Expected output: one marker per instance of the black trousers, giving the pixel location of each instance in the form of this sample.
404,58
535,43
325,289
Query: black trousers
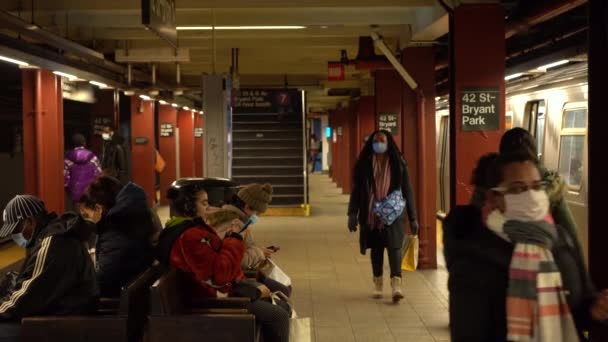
273,319
378,243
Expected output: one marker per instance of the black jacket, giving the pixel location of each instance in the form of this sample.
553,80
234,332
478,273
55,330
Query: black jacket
125,244
359,201
114,158
57,276
478,263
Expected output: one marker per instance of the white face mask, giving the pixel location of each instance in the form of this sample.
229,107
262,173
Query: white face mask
528,206
106,136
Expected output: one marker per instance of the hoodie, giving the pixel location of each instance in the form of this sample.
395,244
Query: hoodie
114,160
57,276
80,168
125,243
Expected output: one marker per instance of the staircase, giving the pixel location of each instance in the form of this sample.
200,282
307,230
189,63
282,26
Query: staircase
269,148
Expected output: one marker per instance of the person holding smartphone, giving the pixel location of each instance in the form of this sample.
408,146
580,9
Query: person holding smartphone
212,263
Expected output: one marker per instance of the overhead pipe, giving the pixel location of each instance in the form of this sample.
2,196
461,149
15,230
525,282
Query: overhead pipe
422,146
516,26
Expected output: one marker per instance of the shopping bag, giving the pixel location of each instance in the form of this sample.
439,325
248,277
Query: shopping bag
160,163
410,257
274,272
299,327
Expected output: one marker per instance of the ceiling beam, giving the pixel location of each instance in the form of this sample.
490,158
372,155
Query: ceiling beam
198,4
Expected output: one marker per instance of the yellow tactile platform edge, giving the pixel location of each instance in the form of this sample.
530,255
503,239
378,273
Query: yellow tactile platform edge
303,210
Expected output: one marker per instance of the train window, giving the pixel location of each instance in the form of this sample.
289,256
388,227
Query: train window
534,122
572,146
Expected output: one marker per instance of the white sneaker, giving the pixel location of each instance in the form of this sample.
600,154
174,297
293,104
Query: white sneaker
378,287
396,287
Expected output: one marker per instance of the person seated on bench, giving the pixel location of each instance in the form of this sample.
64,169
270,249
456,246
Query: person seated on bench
126,228
57,276
225,220
212,266
251,200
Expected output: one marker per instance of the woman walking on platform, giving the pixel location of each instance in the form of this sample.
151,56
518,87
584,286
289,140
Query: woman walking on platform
380,188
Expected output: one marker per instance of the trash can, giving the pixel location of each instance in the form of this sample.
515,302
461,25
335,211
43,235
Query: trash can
219,190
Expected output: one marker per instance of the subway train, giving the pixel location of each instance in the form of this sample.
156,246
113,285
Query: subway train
553,107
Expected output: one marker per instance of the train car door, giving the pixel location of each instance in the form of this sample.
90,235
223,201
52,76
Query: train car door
534,122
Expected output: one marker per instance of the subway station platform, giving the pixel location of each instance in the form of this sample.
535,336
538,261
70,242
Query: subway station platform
332,280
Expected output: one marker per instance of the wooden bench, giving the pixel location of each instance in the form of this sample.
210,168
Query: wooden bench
117,319
171,319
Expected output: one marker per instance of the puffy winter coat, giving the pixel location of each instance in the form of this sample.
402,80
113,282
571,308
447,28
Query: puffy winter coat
125,244
80,168
208,263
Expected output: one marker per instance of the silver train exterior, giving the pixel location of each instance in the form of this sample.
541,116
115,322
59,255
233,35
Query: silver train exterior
553,107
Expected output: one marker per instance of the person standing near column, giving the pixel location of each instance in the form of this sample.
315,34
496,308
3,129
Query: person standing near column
114,159
380,177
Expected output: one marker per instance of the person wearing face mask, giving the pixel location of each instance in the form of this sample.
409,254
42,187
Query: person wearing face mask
520,272
114,160
210,264
127,229
251,200
381,172
45,285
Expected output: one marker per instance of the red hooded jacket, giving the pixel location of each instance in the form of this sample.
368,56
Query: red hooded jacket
209,262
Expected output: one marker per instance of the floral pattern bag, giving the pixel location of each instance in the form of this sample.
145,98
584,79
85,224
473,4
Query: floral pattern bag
391,208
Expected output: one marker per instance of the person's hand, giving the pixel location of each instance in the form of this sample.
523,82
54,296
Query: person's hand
267,252
415,228
599,309
265,291
352,223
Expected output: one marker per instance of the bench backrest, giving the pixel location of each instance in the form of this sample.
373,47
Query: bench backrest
134,301
166,296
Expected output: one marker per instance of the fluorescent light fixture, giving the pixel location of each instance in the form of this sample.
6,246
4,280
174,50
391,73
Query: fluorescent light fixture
186,108
99,84
510,77
208,28
554,64
129,92
174,105
14,61
163,102
144,97
63,74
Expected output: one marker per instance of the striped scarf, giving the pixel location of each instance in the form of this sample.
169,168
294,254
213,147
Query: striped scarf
382,182
537,310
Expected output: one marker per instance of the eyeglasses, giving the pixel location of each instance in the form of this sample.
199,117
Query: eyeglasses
521,187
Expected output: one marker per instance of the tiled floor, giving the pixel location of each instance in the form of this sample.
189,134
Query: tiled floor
332,281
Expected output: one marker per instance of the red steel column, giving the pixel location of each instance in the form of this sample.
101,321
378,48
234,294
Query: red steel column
198,146
419,147
43,137
366,120
349,134
143,152
185,121
477,59
167,149
389,92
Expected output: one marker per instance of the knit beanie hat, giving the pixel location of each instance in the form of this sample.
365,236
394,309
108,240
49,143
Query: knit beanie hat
256,196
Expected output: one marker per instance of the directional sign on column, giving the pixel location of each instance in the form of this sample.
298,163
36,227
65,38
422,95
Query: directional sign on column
480,109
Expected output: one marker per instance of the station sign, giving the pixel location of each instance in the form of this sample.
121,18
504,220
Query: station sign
480,109
251,101
166,130
159,17
389,122
335,71
100,122
198,132
141,140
